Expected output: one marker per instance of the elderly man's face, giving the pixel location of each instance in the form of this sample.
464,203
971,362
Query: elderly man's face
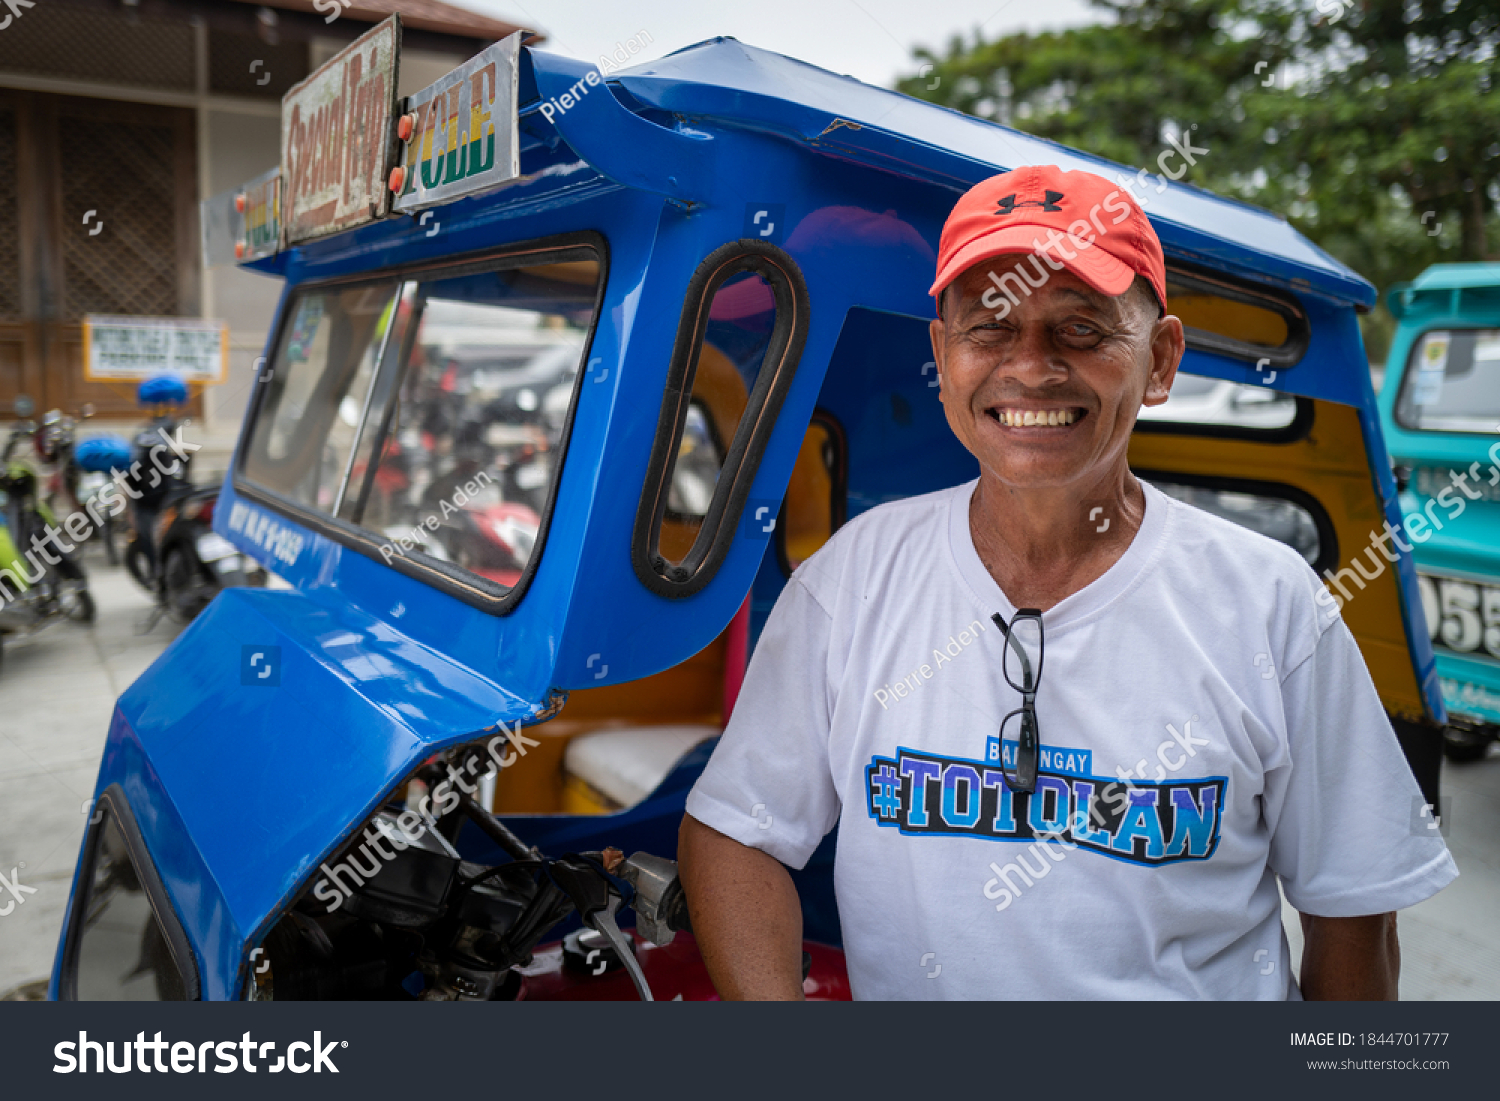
1047,395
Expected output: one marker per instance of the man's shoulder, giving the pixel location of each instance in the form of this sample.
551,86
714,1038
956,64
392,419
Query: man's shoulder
1212,539
1222,564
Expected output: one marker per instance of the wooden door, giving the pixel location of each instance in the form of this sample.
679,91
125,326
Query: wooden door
102,202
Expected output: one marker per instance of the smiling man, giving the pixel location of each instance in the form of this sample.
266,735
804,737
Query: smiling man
1070,731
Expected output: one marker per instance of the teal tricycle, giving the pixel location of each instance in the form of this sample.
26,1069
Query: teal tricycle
1440,406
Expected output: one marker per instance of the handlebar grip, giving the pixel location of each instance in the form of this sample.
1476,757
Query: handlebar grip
660,904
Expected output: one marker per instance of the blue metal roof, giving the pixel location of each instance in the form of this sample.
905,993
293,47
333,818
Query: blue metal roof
732,83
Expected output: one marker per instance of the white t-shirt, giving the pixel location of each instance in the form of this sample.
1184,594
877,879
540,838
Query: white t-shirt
1200,666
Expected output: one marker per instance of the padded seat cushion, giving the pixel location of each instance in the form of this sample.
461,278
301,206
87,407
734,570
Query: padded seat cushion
628,763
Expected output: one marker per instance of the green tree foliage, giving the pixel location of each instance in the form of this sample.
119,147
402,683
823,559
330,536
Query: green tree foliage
1396,98
1373,125
1114,88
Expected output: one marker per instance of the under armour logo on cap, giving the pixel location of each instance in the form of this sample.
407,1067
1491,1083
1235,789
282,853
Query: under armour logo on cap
1008,204
1107,244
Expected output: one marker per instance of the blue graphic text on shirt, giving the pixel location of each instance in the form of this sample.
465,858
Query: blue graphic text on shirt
1141,822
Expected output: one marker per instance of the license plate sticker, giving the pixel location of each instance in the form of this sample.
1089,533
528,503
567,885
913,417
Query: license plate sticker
1428,387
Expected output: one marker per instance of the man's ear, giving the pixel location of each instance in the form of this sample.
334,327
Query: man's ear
1167,346
937,333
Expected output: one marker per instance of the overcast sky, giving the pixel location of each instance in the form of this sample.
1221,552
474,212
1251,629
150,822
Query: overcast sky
868,39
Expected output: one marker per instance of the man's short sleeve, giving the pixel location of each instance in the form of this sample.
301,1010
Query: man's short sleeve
1349,833
768,784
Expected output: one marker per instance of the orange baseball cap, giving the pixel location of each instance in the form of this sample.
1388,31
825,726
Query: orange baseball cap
1042,209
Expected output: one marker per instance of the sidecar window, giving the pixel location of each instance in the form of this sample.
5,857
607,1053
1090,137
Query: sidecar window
700,458
817,496
315,393
1286,516
1199,402
1452,382
427,413
741,316
472,436
1235,319
122,952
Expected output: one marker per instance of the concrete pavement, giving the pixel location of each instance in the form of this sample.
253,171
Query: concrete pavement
1450,944
57,692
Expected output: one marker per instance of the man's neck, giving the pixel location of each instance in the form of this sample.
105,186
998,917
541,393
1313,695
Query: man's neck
1043,545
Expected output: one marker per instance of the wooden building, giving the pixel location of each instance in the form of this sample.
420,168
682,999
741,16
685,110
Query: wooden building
116,118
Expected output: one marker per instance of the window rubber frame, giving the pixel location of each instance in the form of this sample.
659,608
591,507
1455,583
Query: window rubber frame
115,804
752,435
1283,357
476,591
1328,539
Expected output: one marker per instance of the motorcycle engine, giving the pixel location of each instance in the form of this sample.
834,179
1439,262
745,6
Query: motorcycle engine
397,915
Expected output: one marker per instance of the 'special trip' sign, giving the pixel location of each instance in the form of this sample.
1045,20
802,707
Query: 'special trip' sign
335,138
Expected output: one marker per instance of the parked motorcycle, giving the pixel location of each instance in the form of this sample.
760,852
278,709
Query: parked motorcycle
95,462
494,540
172,550
41,581
72,477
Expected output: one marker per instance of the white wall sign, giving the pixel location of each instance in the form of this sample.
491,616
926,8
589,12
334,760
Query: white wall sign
132,349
